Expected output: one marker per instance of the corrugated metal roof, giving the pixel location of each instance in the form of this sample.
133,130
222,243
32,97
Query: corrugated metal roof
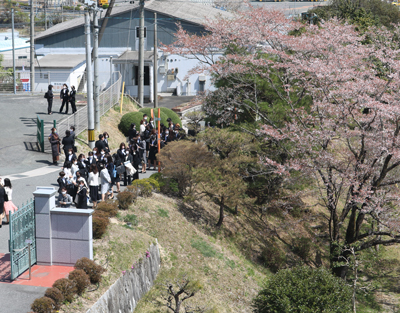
61,60
187,11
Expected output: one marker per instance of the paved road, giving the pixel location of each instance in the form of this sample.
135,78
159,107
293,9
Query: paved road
17,298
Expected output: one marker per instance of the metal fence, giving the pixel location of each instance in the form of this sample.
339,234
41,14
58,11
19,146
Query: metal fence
107,99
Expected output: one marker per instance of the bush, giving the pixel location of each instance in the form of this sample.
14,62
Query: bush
100,222
179,166
144,187
168,186
302,247
43,305
125,199
273,257
81,280
304,289
67,288
56,295
164,117
92,269
109,207
127,119
168,112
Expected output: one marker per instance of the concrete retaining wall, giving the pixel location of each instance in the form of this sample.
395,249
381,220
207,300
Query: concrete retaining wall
124,294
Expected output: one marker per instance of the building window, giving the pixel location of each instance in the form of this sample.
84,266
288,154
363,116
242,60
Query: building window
22,57
146,79
138,34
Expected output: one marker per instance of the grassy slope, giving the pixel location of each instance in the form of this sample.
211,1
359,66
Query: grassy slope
230,281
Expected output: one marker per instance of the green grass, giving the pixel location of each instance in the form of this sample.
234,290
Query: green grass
131,218
163,213
205,249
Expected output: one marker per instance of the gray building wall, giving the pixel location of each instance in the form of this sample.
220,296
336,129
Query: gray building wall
121,32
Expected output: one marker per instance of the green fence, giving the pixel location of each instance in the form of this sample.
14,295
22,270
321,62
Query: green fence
22,236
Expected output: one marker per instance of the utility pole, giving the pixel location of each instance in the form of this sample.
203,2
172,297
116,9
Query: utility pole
32,49
89,84
96,69
141,53
111,71
13,49
45,15
155,66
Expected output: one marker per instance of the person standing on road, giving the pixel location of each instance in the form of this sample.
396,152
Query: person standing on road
72,94
93,182
49,96
68,142
9,206
64,96
55,145
2,200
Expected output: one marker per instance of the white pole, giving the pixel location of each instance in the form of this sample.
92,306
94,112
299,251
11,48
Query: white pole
96,70
89,83
111,71
13,50
141,53
32,48
155,67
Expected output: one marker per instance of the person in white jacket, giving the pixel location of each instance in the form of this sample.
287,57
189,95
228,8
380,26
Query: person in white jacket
105,182
93,181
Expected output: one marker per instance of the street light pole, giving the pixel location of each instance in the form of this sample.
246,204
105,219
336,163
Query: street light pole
32,49
155,66
13,49
141,53
96,69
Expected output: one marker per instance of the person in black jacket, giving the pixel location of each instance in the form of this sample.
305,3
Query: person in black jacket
82,196
49,96
2,200
64,96
72,94
62,182
68,142
100,144
132,133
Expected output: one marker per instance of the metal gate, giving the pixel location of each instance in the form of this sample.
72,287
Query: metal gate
22,236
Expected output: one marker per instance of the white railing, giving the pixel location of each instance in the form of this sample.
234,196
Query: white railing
107,99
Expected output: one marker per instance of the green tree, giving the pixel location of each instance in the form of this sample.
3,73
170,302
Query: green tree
303,290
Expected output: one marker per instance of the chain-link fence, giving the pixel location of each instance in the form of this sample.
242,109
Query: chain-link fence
107,99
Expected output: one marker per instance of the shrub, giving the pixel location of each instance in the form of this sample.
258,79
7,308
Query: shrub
109,207
168,112
125,199
43,305
302,247
303,289
67,288
81,280
100,222
164,117
179,166
92,269
56,295
273,257
127,119
168,186
144,187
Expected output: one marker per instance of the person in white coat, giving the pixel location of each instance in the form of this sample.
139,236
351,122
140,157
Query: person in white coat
105,182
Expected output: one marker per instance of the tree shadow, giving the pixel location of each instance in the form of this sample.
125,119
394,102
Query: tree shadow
5,268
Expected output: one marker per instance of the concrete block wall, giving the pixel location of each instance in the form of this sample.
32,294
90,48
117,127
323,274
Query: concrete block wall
125,293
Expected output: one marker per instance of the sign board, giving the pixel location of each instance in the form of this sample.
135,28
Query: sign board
57,86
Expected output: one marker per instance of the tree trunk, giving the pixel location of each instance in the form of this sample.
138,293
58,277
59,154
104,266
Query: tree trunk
337,255
221,211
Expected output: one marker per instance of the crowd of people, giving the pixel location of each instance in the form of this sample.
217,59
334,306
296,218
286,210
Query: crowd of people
93,177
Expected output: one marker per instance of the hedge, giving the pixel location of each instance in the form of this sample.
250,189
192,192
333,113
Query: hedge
127,119
168,112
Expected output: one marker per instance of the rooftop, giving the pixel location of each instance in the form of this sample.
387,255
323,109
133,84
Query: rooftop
61,60
186,11
134,55
19,43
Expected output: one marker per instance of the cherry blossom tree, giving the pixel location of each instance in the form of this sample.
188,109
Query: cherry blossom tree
347,138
